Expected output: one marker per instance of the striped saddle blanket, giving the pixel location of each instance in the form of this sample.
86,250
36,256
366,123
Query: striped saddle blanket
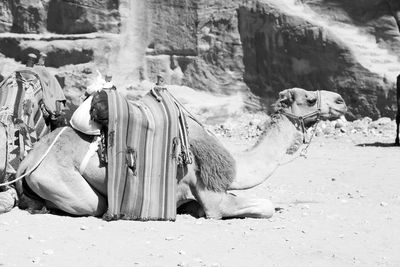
20,114
143,155
24,96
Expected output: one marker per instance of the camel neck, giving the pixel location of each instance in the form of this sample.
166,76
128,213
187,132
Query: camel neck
277,137
256,164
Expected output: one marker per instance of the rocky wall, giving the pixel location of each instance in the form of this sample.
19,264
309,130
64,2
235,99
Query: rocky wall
253,47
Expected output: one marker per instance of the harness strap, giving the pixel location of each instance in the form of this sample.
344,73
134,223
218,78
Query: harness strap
300,119
183,135
94,145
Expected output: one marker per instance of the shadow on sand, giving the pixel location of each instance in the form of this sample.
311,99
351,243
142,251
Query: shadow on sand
378,144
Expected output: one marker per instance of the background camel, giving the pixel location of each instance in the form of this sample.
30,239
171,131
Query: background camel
59,183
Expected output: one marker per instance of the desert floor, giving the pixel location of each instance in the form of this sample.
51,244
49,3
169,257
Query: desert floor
341,207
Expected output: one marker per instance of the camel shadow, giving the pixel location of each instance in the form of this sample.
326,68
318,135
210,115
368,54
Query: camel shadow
377,144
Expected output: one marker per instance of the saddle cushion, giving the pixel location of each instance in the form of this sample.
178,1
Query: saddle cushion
81,121
142,161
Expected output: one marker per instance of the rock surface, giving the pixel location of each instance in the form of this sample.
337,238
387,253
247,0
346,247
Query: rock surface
254,47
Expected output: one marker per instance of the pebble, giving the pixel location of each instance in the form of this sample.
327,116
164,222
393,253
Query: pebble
48,252
384,204
169,238
36,260
83,227
198,260
181,252
30,237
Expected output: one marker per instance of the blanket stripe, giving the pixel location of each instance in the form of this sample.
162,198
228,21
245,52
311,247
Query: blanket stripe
141,166
19,96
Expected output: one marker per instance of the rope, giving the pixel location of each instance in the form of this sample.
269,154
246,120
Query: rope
303,152
40,160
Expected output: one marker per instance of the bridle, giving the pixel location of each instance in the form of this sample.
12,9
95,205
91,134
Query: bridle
299,120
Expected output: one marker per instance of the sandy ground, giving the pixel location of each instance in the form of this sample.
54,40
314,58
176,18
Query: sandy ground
341,208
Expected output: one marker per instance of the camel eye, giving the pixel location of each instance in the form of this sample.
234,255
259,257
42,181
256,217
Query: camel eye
312,101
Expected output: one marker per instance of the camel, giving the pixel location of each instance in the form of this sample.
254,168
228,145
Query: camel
30,106
202,187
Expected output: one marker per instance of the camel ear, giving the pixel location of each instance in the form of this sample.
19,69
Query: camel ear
286,97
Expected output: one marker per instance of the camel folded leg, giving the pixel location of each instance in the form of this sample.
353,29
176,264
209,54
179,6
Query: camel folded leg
67,190
218,205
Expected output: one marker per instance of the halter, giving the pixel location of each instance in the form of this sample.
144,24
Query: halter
299,120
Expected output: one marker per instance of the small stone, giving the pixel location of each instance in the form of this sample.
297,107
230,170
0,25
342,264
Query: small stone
36,260
181,252
30,237
48,252
182,264
215,264
383,204
339,124
169,238
83,227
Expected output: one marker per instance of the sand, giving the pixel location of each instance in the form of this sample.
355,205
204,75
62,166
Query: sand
341,207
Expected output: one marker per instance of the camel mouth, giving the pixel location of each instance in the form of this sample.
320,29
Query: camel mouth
336,113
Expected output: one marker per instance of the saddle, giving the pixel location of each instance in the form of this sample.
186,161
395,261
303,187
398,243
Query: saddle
146,142
29,98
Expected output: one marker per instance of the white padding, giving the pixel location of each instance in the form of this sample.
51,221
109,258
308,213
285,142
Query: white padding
81,119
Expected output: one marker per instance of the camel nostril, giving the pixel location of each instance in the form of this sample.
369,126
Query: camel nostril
339,101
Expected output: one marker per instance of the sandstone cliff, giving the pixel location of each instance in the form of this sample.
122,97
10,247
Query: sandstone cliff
255,48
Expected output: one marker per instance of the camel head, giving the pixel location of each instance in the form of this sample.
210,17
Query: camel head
310,105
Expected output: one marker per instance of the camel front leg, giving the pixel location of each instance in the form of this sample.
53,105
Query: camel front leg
66,190
219,205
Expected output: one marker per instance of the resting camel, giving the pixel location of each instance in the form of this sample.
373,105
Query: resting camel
30,106
214,171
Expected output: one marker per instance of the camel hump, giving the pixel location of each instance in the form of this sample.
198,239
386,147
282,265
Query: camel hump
217,167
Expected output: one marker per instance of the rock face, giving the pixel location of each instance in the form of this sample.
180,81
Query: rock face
254,47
